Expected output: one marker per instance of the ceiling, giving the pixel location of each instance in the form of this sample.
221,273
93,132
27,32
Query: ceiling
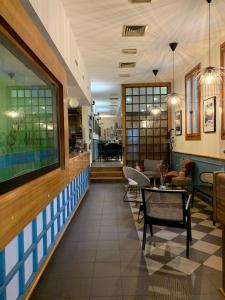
98,24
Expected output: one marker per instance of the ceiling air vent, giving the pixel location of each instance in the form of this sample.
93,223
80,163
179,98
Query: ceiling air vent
134,30
140,1
113,98
129,51
127,65
124,75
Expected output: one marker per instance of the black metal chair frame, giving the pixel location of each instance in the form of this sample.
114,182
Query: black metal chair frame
185,223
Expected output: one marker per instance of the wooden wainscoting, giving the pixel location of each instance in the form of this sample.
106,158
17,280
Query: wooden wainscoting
77,164
19,206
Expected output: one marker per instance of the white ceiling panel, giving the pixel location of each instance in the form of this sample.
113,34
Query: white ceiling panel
98,25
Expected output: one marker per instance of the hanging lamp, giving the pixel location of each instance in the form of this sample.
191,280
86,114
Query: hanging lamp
155,110
173,98
210,76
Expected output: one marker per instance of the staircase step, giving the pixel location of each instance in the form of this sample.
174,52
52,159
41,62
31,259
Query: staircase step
106,174
106,178
100,169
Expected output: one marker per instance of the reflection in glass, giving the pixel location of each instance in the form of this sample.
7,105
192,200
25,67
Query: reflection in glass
28,117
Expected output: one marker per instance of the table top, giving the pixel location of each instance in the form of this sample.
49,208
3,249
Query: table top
181,180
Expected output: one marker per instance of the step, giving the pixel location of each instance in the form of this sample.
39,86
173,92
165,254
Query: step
100,169
106,178
107,174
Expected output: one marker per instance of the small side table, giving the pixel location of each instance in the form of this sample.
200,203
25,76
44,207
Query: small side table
184,182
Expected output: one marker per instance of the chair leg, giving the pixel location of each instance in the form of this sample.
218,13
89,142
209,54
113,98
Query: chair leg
190,229
125,196
193,197
187,242
144,236
151,229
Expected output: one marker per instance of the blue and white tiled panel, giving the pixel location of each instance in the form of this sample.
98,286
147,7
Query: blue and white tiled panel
23,256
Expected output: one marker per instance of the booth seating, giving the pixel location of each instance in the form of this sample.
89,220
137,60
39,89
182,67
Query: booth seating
186,167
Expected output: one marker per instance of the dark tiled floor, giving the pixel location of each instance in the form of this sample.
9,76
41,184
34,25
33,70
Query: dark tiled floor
100,258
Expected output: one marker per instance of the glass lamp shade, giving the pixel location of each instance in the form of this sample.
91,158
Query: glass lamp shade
173,99
155,110
210,76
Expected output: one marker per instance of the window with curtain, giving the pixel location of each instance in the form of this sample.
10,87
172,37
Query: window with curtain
222,52
192,103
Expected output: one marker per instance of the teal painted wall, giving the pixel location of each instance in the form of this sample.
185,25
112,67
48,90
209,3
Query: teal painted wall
201,164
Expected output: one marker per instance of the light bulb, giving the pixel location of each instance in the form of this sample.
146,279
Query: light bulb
156,110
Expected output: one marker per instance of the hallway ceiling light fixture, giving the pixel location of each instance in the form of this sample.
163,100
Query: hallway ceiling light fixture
210,75
156,110
134,30
173,98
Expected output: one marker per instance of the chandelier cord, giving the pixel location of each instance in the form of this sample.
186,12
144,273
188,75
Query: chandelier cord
209,34
173,73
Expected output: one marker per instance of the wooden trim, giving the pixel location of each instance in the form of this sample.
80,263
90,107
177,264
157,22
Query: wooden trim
43,267
200,155
168,84
124,140
193,136
21,205
222,101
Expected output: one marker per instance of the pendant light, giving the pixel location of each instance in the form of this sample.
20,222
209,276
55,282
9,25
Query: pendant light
173,98
155,110
210,76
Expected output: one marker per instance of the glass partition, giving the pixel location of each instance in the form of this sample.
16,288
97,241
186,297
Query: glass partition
146,134
28,118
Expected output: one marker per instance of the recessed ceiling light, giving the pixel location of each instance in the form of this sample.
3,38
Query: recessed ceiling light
134,30
129,51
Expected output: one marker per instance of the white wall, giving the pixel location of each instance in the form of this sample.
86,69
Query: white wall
52,15
210,143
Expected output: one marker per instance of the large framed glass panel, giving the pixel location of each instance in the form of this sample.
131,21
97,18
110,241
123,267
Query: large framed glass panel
147,133
29,139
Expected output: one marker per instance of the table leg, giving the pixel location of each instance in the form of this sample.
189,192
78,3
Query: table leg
222,290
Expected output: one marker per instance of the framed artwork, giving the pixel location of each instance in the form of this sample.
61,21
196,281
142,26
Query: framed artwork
209,115
178,122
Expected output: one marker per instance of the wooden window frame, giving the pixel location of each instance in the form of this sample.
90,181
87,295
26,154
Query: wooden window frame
18,43
193,136
222,103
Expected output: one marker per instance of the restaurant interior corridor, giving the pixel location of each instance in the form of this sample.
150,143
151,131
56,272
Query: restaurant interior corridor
100,257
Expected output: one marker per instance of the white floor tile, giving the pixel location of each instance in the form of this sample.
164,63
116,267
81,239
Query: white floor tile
208,223
196,234
199,216
153,266
205,247
184,265
214,262
217,232
165,234
173,248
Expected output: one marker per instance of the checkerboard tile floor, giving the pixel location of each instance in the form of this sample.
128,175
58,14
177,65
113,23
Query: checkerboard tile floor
166,249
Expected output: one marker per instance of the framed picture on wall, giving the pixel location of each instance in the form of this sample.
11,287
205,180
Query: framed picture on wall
178,122
209,115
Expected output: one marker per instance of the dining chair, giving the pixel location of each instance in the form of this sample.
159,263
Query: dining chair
166,208
136,181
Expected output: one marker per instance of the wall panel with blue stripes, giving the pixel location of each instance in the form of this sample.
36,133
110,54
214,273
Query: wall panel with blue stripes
24,255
